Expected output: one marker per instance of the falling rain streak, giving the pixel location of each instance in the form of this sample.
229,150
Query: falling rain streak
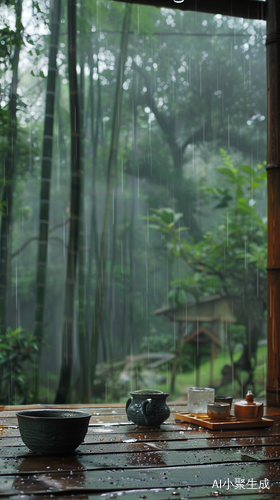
144,227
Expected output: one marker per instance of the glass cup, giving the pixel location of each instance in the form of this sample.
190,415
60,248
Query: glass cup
198,399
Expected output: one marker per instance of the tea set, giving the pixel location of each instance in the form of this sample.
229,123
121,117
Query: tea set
149,408
62,431
220,406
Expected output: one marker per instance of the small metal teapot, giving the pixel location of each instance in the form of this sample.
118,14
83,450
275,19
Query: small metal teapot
147,408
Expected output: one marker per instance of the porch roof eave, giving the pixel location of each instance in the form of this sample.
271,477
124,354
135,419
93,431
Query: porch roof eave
248,9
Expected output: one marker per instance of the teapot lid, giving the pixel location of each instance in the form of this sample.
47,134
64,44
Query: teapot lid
249,401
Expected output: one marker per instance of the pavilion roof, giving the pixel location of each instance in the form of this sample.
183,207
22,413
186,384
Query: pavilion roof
208,309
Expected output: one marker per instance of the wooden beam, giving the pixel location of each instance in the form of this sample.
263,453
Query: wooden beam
273,180
249,9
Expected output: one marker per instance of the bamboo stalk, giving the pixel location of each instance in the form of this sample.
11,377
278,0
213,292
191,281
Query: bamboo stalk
82,336
93,230
73,246
46,171
100,283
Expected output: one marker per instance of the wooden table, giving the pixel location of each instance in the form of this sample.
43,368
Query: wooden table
117,459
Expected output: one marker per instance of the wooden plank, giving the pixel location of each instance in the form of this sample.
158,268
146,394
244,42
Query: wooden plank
128,446
122,419
11,437
154,477
49,405
230,423
196,492
34,464
106,413
91,408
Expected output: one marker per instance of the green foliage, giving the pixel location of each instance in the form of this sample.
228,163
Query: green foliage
164,220
237,333
6,43
164,342
230,260
17,349
157,343
229,256
41,74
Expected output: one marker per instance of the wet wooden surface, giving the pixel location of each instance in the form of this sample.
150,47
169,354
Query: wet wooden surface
177,461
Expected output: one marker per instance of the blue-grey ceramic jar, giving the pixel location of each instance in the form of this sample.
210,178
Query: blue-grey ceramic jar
147,408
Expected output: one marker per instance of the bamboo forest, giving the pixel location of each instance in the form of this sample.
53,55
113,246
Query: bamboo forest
133,204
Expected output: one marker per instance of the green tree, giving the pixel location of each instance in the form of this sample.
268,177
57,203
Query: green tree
230,260
195,89
17,353
10,168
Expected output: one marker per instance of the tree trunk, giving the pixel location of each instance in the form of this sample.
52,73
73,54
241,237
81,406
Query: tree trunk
9,174
73,245
46,170
93,234
99,292
184,188
178,349
112,274
82,337
131,226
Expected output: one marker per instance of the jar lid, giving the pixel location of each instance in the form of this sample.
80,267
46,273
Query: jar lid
249,401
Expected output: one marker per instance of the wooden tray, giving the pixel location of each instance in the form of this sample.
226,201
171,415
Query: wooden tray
229,423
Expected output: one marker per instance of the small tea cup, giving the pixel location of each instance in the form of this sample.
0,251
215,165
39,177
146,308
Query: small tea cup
218,411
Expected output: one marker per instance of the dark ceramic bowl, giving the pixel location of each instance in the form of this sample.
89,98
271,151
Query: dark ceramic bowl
53,432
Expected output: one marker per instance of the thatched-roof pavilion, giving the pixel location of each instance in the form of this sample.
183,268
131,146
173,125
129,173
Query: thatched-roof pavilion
199,323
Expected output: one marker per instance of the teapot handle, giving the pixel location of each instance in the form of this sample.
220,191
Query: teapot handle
144,408
128,403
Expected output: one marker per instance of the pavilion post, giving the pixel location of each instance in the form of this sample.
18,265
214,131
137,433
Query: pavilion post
273,179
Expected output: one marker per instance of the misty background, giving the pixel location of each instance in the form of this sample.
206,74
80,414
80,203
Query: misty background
172,143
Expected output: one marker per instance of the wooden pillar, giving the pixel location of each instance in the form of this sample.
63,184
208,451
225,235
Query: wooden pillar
197,360
273,179
181,329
